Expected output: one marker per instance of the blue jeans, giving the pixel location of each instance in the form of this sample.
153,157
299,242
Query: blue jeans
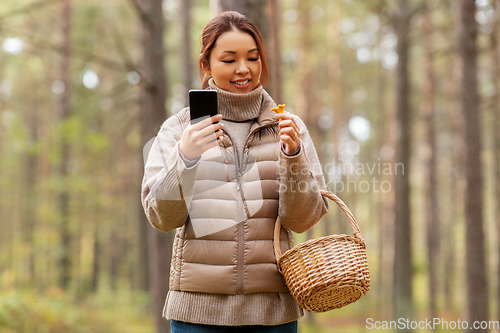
183,327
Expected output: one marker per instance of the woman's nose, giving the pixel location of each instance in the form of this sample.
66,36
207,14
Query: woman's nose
242,68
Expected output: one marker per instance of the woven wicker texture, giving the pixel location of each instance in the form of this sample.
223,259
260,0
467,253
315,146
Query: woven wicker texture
328,272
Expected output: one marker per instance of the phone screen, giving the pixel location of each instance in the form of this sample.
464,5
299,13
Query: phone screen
202,104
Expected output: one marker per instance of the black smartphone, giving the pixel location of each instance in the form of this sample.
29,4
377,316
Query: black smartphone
202,104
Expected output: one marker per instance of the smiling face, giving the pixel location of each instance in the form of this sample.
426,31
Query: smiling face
235,63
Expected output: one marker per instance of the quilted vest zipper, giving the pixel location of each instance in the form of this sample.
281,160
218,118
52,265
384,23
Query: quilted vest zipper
241,229
238,172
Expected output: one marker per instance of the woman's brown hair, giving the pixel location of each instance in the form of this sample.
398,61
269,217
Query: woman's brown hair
224,22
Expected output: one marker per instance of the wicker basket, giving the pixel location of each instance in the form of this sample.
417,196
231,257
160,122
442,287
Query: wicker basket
328,272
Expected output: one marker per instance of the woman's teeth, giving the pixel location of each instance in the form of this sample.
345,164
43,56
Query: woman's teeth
241,83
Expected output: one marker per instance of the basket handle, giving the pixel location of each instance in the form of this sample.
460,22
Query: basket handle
338,201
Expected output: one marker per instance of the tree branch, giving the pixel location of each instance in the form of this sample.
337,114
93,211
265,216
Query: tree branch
142,11
137,5
122,49
82,54
28,8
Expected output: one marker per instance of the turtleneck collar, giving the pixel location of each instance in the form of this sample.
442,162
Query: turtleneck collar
238,107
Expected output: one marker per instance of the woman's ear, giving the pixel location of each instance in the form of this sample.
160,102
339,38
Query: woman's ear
206,67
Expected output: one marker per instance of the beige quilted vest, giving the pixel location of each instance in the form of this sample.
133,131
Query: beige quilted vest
212,252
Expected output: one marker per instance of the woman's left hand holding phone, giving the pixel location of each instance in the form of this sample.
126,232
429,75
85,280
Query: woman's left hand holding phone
200,137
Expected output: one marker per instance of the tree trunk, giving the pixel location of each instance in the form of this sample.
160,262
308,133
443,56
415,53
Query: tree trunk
403,270
273,51
432,201
495,110
63,197
6,235
144,272
30,180
95,261
187,74
253,9
456,181
384,130
153,115
477,296
449,248
113,254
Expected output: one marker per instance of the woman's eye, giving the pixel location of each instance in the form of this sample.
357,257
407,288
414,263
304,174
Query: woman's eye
253,59
227,61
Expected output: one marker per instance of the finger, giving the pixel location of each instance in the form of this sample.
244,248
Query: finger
211,129
212,143
219,134
290,124
206,122
286,123
216,118
290,132
289,142
297,128
284,117
211,136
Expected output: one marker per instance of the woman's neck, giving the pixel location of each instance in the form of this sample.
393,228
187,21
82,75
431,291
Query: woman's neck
238,107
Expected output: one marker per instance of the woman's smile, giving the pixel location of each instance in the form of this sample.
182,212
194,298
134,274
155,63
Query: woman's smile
241,84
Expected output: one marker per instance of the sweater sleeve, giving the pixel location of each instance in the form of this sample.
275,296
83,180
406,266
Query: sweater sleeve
301,179
167,186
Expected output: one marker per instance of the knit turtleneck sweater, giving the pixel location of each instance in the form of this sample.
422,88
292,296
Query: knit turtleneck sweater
238,107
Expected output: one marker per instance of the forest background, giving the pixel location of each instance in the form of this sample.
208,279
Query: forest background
401,98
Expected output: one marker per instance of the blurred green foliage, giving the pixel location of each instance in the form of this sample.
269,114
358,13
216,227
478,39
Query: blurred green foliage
55,312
